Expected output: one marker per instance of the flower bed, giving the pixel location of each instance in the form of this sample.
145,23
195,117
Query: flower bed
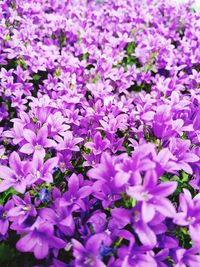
100,133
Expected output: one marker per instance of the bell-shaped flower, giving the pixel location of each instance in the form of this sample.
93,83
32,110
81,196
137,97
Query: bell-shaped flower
16,175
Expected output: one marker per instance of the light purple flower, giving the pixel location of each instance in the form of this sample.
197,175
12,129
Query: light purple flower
36,142
22,209
189,214
4,217
76,193
99,144
153,197
61,217
39,240
69,142
40,170
88,255
16,176
187,257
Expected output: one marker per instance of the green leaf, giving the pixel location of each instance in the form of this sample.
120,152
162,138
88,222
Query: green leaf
133,202
184,136
7,38
96,78
79,37
130,48
164,178
185,177
6,252
118,242
91,229
7,195
52,36
36,77
85,56
57,72
62,39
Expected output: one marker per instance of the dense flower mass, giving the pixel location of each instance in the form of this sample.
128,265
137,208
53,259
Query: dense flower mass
99,133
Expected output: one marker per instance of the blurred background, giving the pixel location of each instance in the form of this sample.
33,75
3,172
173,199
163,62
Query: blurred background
196,4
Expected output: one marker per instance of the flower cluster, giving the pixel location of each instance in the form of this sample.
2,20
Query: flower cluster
99,133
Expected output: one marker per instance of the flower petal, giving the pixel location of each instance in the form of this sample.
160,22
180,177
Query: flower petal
15,162
145,233
29,135
165,207
164,189
148,212
4,185
50,164
26,243
27,149
41,250
5,172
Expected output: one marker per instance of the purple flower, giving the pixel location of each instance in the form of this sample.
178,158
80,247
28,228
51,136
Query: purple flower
57,263
189,214
69,142
64,160
101,104
39,240
91,159
183,157
36,142
4,217
123,217
107,194
40,170
51,82
189,257
57,124
135,256
88,255
22,75
22,209
110,125
163,125
98,221
16,175
162,256
60,217
76,193
73,116
99,145
153,197
106,172
15,133
2,153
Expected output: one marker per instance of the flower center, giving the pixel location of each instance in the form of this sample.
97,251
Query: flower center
111,178
18,178
38,147
38,174
146,196
26,208
89,260
62,164
109,197
72,199
136,215
4,215
190,219
107,231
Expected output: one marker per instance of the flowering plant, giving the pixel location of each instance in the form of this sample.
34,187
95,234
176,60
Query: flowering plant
99,133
